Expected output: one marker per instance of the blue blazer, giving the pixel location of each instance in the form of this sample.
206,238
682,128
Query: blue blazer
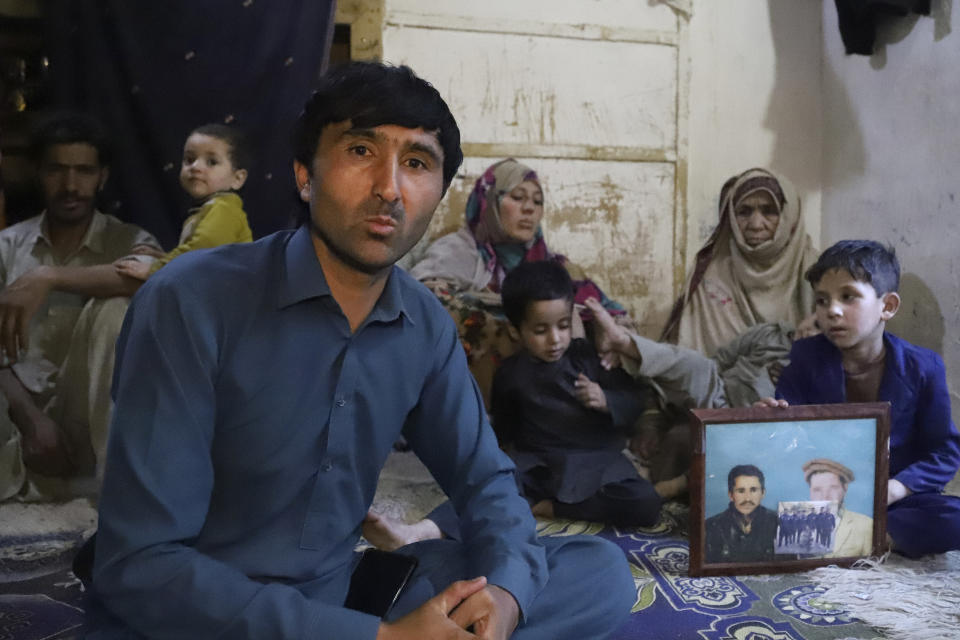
924,443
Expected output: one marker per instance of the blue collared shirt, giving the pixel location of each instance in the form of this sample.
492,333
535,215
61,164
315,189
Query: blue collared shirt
249,432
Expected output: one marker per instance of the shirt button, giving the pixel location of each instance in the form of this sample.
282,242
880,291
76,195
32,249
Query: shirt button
326,466
341,402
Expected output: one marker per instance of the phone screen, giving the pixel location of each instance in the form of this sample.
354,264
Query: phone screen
378,580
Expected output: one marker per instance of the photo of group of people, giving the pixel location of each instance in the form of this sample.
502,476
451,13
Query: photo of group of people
777,491
806,527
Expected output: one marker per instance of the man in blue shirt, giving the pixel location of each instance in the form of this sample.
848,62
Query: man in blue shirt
278,375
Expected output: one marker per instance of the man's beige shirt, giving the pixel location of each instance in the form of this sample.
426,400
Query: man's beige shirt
854,536
25,246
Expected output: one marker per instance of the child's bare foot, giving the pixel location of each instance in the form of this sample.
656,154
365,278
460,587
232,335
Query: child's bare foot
672,488
390,534
543,509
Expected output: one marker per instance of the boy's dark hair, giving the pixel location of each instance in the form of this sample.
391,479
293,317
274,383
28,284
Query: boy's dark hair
69,127
865,260
370,94
744,470
238,144
532,282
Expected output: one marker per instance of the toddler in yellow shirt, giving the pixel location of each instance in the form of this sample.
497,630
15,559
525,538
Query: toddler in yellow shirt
214,167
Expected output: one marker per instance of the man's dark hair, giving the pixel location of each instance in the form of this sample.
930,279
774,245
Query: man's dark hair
744,470
532,282
238,144
370,94
69,127
865,260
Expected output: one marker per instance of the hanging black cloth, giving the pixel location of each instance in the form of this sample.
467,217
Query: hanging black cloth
152,71
858,20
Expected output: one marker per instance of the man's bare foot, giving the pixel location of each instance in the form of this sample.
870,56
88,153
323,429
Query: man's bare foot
672,488
543,509
390,534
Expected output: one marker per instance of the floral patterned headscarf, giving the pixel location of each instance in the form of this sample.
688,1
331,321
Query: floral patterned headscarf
499,252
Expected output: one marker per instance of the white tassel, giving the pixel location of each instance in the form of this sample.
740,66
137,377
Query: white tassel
908,599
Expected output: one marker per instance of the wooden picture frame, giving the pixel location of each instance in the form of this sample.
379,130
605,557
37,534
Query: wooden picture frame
816,461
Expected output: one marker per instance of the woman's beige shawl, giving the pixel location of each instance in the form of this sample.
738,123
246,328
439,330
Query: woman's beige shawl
743,285
454,257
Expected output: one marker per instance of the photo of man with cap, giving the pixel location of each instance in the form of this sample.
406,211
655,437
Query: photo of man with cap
828,480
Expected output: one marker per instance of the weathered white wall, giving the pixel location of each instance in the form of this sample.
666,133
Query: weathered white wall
632,113
586,93
755,101
892,166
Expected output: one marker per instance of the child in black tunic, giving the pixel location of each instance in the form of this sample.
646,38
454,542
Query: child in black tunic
560,415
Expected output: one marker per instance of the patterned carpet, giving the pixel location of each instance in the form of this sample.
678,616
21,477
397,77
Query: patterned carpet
40,598
671,605
47,601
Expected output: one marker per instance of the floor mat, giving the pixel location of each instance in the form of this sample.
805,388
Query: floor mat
671,605
40,598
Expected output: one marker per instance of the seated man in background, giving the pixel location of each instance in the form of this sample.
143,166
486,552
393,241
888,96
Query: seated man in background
61,306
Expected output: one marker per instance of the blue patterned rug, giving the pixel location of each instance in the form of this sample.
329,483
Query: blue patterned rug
671,605
40,599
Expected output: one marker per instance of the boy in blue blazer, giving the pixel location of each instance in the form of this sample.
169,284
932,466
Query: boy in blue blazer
855,286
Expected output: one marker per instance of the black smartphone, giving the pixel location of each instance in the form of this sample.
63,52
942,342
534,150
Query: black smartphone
377,581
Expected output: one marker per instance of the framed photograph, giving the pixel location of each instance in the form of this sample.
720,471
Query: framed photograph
778,490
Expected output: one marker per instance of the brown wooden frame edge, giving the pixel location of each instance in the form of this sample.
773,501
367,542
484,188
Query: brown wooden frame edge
700,418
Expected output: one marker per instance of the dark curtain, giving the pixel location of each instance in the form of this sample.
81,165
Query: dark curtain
858,20
152,71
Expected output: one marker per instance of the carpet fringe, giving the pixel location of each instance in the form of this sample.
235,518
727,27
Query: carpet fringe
907,599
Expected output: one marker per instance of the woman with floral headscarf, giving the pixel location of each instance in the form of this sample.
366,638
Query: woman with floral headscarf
750,270
502,230
466,268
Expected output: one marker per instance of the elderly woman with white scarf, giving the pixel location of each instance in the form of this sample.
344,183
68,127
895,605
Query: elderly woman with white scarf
750,271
